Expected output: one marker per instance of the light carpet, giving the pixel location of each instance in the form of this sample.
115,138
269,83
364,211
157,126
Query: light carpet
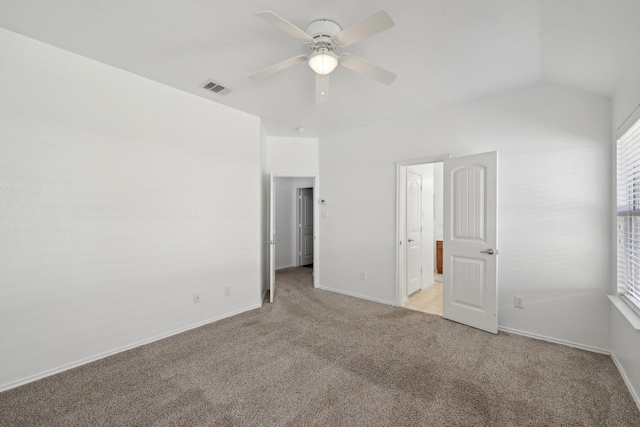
317,358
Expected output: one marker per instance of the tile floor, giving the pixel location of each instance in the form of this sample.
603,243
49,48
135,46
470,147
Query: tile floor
428,300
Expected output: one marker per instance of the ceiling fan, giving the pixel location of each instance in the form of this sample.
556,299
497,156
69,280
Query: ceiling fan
324,36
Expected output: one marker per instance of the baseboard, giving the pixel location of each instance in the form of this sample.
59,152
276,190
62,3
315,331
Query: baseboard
554,340
286,266
351,294
66,367
626,379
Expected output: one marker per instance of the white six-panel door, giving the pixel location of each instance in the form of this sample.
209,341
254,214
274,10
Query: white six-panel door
470,241
414,232
305,226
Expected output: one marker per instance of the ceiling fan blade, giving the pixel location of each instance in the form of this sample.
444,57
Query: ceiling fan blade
285,26
375,23
279,66
362,66
322,88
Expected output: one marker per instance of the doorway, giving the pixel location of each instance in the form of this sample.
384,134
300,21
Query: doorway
291,224
470,237
423,290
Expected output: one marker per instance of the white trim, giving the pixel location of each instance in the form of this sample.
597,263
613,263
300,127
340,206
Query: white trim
66,367
626,379
628,122
424,160
555,340
626,311
351,294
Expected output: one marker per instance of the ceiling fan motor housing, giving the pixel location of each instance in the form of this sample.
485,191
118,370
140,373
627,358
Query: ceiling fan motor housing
323,31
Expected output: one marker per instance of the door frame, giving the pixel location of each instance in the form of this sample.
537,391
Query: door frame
401,224
271,226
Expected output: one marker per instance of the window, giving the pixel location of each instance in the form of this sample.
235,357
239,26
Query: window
628,206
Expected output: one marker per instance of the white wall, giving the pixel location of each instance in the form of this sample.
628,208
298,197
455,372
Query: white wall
264,210
292,156
120,198
625,341
285,223
554,184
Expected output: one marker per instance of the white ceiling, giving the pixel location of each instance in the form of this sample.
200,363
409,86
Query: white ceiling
442,50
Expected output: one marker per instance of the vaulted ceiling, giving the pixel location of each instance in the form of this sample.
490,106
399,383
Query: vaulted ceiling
443,51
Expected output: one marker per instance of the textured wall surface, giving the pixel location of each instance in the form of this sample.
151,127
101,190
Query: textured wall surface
120,198
554,221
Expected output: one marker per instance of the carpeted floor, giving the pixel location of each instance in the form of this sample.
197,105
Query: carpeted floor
320,358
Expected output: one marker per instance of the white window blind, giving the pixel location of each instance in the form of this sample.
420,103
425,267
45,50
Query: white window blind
628,170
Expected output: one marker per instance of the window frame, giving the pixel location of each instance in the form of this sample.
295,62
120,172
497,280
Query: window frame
630,219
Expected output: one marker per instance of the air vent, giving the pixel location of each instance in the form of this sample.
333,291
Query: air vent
215,87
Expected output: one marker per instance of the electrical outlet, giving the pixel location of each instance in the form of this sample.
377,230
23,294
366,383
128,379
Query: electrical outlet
363,276
227,290
518,302
196,298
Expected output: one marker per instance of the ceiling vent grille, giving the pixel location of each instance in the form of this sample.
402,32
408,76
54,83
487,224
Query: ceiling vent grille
215,87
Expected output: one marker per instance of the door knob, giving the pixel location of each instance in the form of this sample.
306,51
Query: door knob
410,240
488,251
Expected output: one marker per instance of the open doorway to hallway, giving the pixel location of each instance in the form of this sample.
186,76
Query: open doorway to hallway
294,222
421,210
283,225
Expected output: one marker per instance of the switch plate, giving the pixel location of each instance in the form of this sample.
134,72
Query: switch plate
518,302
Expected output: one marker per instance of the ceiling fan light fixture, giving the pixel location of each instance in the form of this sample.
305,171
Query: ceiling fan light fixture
323,61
